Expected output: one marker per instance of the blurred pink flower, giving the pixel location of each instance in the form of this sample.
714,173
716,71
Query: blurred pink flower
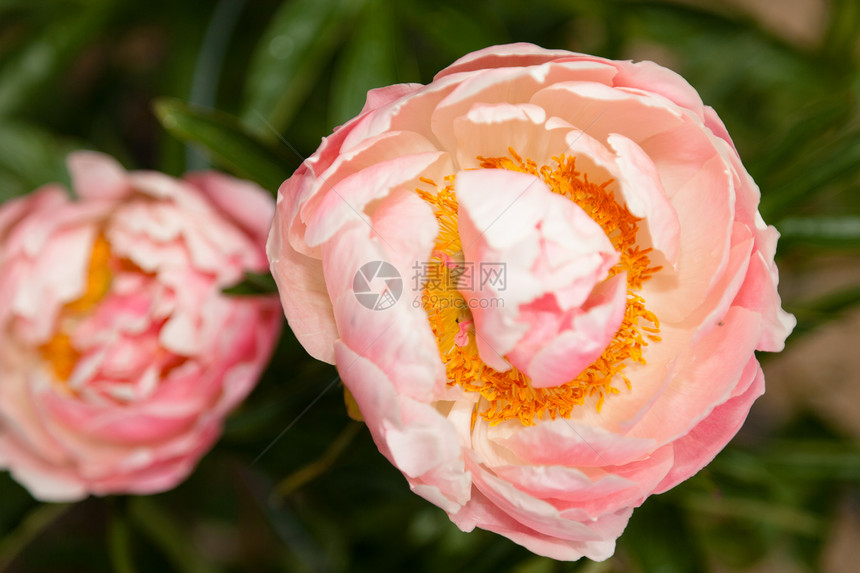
590,276
119,355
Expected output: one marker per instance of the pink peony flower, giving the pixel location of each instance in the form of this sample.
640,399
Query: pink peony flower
119,355
586,279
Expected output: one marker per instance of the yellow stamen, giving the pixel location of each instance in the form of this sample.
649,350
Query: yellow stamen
510,395
62,356
59,351
98,278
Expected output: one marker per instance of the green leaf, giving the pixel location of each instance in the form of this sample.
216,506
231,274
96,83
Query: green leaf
230,144
536,565
253,284
756,510
825,460
291,55
366,62
32,65
33,524
840,232
309,549
313,470
209,64
119,545
659,540
812,314
166,534
808,128
456,32
29,158
840,39
834,163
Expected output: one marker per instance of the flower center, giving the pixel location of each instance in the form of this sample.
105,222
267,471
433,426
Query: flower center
509,395
59,352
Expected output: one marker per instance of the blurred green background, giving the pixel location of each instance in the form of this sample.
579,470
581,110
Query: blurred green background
294,485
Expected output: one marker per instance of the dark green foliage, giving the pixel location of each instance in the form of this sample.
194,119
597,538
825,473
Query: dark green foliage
273,495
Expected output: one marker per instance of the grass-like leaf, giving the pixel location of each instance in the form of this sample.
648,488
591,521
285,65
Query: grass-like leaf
291,55
366,62
826,232
29,157
38,61
253,284
230,144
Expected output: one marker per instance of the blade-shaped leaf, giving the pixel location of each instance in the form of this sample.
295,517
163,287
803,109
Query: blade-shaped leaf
120,546
230,144
806,128
366,62
811,314
25,71
33,525
29,158
168,535
830,232
292,53
756,510
253,284
656,531
840,38
815,460
454,32
834,163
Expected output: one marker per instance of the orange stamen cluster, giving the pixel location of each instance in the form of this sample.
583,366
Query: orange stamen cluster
59,352
509,395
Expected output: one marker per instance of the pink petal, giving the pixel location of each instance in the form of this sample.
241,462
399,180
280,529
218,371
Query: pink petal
600,110
379,97
759,294
645,197
97,176
407,227
398,339
409,113
482,512
651,77
114,424
705,206
44,481
412,435
541,516
583,496
523,54
550,246
346,201
388,145
704,379
490,130
244,202
495,86
709,315
568,443
304,296
557,359
700,445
